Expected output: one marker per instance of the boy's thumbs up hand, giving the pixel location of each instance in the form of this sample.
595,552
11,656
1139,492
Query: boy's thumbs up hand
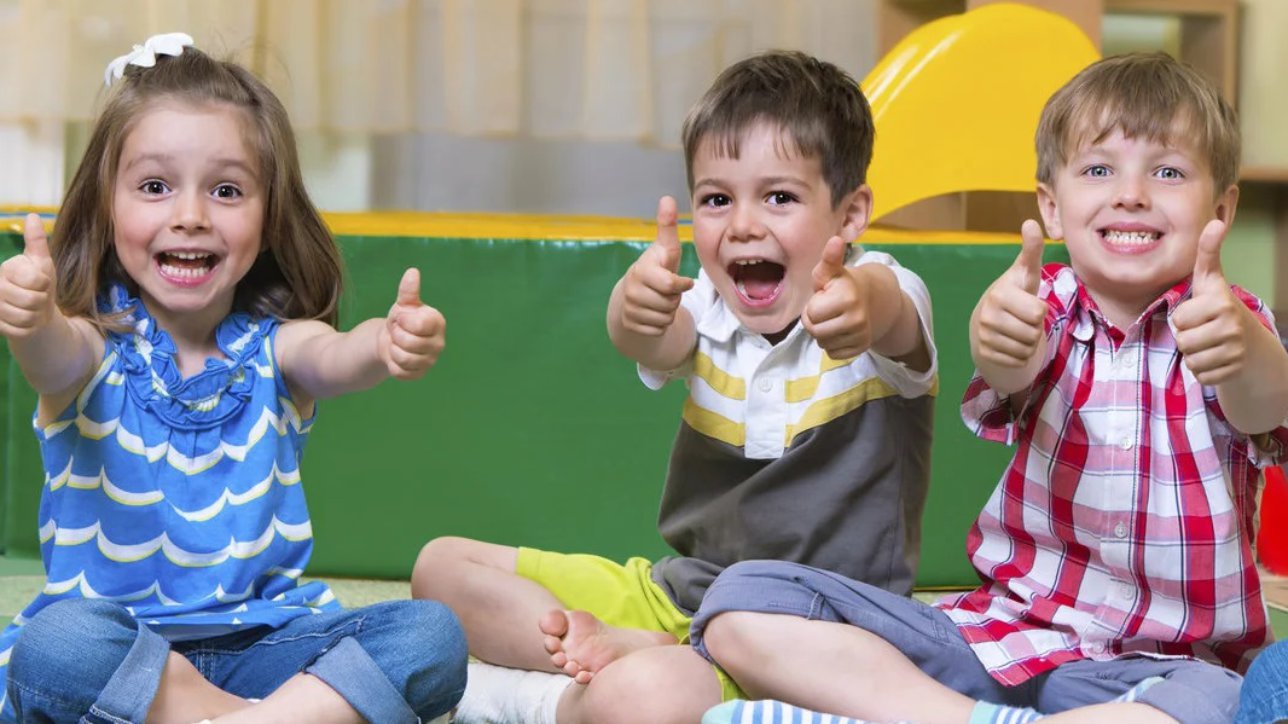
652,287
27,289
837,315
1008,321
414,332
1212,326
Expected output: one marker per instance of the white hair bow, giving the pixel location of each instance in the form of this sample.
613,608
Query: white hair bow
145,56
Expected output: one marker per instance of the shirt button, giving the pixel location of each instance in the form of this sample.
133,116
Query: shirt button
765,384
1125,590
1097,648
1120,530
1126,443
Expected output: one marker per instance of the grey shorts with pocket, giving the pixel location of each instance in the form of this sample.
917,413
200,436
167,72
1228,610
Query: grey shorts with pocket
1193,692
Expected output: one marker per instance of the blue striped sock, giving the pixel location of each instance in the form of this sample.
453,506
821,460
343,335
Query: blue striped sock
769,712
986,713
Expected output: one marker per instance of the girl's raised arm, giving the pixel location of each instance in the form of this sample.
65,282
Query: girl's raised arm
57,354
318,362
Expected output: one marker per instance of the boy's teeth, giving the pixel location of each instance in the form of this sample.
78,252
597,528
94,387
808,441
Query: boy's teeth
1130,237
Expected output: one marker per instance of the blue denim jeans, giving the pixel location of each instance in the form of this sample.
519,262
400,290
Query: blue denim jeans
90,661
1265,687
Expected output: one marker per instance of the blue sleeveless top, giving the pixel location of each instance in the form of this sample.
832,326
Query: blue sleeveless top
178,498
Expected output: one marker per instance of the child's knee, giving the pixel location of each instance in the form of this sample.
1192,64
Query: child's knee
662,684
438,563
54,643
729,636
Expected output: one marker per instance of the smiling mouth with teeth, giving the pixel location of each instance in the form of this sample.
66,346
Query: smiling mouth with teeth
186,264
1129,238
758,281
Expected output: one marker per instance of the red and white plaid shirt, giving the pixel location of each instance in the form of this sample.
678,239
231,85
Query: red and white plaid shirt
1123,523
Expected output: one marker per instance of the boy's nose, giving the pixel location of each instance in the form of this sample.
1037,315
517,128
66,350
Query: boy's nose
744,224
1131,193
189,212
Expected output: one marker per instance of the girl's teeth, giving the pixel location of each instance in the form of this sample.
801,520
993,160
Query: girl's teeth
181,271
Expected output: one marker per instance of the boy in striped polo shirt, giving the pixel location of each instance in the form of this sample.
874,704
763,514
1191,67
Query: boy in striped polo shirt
805,436
1143,393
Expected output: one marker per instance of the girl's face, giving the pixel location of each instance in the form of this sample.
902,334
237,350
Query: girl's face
188,208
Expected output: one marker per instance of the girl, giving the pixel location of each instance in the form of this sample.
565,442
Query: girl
178,330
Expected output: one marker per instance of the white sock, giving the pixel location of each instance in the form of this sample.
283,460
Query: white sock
501,695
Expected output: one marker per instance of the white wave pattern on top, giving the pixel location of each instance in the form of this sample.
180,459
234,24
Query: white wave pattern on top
123,553
133,443
125,497
230,498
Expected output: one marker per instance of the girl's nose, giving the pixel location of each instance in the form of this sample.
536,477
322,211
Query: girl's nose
189,212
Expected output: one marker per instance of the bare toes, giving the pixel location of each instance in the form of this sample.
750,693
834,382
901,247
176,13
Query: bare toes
553,644
553,623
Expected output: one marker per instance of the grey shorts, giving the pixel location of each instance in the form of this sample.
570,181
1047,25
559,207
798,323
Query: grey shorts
1193,692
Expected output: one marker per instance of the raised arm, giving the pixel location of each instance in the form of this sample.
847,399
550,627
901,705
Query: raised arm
855,309
1227,347
1007,332
645,320
57,353
318,362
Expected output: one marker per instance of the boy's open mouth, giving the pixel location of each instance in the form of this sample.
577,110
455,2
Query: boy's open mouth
186,266
1133,241
758,281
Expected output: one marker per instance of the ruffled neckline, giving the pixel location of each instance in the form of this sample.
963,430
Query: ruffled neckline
152,377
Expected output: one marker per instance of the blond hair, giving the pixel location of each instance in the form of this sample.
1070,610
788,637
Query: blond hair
817,107
298,275
1143,95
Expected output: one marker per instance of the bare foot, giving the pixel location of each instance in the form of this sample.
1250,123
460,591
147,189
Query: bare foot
580,644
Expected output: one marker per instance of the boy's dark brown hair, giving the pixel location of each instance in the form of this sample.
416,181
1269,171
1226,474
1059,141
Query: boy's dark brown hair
298,275
1145,95
818,108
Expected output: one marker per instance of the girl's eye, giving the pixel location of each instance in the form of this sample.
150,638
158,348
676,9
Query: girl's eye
1170,173
153,187
778,198
227,191
1097,171
715,200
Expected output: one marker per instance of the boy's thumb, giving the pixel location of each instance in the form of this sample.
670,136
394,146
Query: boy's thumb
1029,260
668,234
1207,263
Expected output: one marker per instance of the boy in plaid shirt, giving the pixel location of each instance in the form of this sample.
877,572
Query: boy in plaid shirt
1143,393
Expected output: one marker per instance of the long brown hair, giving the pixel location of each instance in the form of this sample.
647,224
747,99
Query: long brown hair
299,274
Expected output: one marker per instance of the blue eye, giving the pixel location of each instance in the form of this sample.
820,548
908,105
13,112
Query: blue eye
1098,170
1170,173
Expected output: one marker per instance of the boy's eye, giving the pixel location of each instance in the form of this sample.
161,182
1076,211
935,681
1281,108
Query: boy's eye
1170,173
153,187
780,197
227,191
715,200
1097,171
